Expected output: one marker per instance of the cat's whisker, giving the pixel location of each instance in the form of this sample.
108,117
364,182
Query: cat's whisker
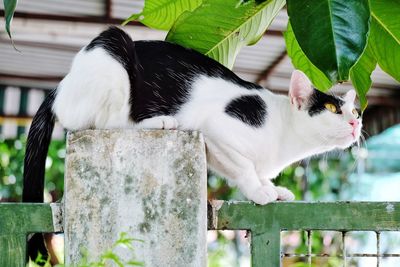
366,133
353,167
323,137
364,141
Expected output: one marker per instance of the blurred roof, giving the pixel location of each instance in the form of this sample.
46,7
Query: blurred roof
49,33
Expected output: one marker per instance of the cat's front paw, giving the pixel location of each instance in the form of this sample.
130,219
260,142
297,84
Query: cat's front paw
159,122
264,195
284,193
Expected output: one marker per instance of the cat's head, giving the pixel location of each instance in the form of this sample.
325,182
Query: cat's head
327,119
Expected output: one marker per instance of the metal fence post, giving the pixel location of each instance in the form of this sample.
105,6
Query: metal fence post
265,248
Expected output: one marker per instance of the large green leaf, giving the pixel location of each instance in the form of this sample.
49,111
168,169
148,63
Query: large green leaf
161,14
385,35
219,28
332,33
301,62
360,74
9,9
383,47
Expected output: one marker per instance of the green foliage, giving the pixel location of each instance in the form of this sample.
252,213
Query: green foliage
11,169
328,48
383,47
332,44
9,9
217,256
360,75
107,258
220,28
217,28
40,261
161,14
300,61
110,256
385,35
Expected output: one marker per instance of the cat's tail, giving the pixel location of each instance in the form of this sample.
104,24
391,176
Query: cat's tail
39,138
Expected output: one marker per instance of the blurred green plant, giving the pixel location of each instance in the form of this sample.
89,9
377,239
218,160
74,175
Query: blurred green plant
217,255
107,258
11,169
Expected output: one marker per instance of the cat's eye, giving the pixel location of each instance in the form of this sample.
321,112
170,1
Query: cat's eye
355,113
331,107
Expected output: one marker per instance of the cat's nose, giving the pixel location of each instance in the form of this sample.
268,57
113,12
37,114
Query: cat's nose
354,123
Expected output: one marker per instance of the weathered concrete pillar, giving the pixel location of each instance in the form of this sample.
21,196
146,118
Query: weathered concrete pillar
150,184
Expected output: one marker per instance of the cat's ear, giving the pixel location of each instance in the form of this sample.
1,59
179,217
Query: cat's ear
350,96
300,89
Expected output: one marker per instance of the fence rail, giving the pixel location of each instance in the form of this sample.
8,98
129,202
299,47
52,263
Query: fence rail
267,222
18,220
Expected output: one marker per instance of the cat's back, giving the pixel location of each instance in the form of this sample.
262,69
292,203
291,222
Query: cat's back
168,73
95,92
116,82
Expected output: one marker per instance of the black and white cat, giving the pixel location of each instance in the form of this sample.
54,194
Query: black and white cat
251,134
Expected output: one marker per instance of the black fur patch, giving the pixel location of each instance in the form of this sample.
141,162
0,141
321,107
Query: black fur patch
37,146
160,72
317,101
117,43
250,109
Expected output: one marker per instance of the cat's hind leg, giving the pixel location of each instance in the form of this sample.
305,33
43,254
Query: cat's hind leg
159,122
230,163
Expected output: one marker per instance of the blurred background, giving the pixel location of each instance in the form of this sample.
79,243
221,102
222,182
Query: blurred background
48,33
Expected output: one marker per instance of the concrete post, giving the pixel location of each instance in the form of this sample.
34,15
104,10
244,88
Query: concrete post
149,184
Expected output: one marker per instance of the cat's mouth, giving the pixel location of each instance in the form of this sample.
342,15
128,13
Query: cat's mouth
349,138
356,133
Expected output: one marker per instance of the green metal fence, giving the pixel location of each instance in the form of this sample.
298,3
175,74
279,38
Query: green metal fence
17,221
267,222
264,222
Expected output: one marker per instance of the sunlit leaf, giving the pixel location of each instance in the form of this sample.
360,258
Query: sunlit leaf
301,62
111,256
360,75
161,14
385,35
383,47
135,263
219,28
9,9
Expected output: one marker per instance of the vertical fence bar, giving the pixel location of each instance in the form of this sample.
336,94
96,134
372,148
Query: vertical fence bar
309,244
378,248
344,249
13,250
266,249
17,220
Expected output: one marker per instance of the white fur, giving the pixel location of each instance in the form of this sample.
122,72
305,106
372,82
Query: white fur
95,94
